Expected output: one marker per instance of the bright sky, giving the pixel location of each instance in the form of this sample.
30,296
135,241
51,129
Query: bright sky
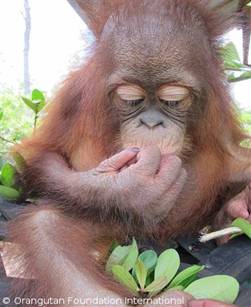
58,40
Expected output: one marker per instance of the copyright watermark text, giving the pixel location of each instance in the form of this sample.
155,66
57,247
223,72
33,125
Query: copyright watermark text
102,301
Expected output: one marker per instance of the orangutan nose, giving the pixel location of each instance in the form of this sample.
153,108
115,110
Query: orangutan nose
151,119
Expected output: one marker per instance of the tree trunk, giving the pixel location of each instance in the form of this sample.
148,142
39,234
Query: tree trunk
246,32
27,19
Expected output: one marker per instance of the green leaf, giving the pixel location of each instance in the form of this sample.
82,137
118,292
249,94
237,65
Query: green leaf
149,258
19,160
125,278
1,115
30,104
236,67
132,256
40,106
230,55
8,173
167,265
149,279
37,95
37,103
185,274
141,273
9,193
244,225
185,283
244,76
218,287
157,285
118,256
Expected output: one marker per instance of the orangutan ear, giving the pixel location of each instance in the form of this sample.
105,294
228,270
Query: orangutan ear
95,12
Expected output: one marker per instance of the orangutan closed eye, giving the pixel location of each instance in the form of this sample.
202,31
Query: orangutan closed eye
153,117
139,142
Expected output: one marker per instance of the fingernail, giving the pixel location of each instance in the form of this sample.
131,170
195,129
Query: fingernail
134,149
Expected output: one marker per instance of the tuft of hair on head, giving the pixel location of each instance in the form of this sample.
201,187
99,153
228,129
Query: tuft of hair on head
220,15
96,12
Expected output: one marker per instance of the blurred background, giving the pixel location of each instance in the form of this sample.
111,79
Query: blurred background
42,40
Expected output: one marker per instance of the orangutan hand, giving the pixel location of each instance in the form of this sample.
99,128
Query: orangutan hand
140,180
239,206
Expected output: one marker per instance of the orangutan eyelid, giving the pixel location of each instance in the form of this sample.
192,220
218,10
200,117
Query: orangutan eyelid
130,92
172,93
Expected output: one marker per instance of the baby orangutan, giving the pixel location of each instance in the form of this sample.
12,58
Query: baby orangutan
141,141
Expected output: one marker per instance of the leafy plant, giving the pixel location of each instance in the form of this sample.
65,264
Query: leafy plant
235,70
146,274
8,185
16,121
8,188
8,180
36,103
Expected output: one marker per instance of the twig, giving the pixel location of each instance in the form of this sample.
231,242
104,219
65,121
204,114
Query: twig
7,141
35,121
220,233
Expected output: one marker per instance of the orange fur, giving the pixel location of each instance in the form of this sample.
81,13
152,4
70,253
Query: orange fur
81,127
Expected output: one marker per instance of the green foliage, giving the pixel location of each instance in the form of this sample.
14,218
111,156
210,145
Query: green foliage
149,258
235,70
141,273
245,118
36,103
156,286
16,120
125,278
9,193
147,275
244,225
185,275
218,287
8,173
171,257
8,187
131,257
118,256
